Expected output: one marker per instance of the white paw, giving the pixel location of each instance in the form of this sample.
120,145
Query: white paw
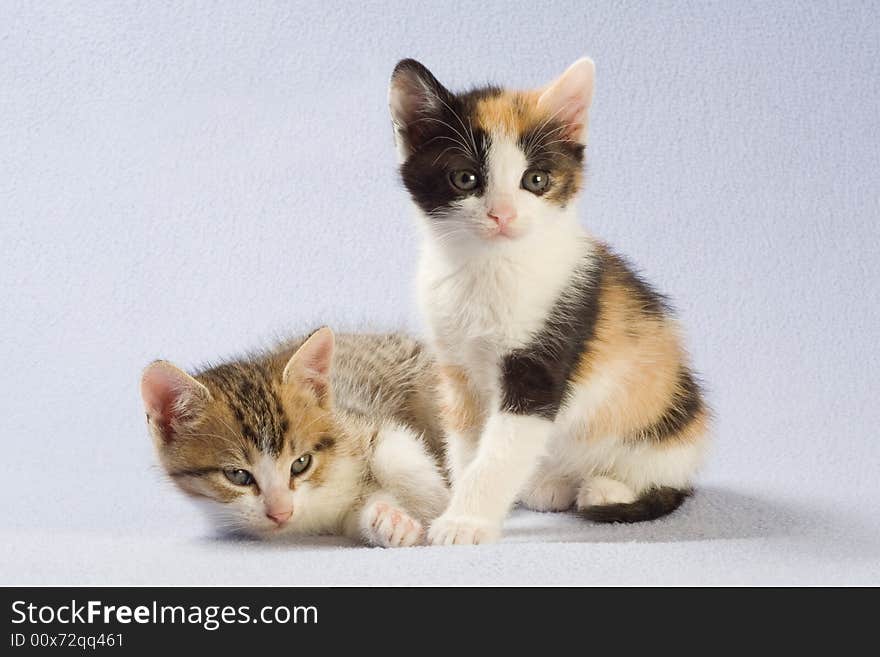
459,530
550,495
392,527
599,491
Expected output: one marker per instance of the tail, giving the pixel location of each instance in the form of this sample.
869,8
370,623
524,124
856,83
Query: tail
653,504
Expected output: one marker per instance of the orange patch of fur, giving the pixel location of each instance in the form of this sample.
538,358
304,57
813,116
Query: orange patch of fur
195,447
511,111
309,423
515,113
460,407
636,358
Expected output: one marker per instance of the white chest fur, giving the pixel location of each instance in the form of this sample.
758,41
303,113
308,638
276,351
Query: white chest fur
481,308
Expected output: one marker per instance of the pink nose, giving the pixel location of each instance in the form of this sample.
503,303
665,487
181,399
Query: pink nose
502,214
279,517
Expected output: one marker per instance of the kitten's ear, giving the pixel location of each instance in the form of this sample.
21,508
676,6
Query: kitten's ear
310,365
414,96
568,98
171,397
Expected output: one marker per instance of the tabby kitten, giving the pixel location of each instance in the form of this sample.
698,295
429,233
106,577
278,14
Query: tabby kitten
564,378
320,436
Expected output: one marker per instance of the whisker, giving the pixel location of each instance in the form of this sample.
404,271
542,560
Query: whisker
226,424
538,132
305,428
463,127
473,141
449,148
557,141
551,133
552,152
457,142
461,136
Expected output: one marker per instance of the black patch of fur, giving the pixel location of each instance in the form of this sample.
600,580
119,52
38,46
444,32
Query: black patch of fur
426,172
441,137
535,378
653,504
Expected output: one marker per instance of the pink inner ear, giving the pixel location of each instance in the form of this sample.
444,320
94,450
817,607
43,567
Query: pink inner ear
165,393
317,353
573,115
568,98
408,100
312,361
317,363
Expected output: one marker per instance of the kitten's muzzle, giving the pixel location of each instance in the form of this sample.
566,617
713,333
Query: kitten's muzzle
503,214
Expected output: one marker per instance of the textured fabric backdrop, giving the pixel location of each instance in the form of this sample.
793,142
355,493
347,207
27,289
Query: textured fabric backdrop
190,180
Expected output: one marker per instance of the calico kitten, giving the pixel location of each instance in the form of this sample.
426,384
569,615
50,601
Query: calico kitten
563,374
302,441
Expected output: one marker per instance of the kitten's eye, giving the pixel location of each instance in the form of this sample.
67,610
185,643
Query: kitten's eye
535,181
464,180
301,465
239,477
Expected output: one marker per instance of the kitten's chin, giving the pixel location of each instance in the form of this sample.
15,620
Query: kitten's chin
503,236
493,237
226,522
258,533
270,531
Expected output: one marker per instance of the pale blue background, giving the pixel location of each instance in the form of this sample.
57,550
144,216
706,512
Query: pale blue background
189,180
